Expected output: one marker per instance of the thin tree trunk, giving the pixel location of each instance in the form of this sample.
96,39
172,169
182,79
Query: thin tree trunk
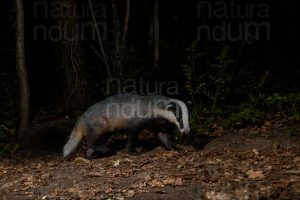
126,21
148,6
117,67
21,69
100,40
156,33
150,34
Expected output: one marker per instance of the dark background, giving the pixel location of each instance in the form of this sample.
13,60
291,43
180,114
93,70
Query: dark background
261,76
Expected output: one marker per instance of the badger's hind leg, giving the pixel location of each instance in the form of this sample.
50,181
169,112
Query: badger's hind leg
102,148
96,140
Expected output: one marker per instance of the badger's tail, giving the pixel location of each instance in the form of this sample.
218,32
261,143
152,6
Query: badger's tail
76,136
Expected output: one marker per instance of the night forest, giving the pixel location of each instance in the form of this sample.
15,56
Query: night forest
235,64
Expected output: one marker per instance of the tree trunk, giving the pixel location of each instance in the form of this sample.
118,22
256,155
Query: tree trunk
74,89
156,33
118,70
21,69
126,21
148,5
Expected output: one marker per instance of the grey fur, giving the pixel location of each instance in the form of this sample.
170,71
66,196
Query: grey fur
122,112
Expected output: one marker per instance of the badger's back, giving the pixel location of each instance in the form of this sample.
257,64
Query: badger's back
123,106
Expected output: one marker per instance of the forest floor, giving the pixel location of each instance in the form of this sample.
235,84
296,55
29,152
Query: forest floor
249,164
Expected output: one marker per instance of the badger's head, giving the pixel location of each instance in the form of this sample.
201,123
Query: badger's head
176,112
180,111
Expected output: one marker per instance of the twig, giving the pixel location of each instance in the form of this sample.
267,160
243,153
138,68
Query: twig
99,39
125,30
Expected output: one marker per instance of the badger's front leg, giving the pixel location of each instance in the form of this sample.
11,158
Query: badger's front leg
166,140
132,139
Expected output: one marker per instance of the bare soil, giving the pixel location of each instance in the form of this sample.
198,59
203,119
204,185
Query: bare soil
242,165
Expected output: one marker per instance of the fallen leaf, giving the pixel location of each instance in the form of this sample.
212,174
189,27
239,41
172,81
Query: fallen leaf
108,190
156,183
128,160
148,178
255,152
255,174
130,193
296,160
139,185
218,195
81,161
268,123
96,174
178,182
293,171
116,163
169,181
268,167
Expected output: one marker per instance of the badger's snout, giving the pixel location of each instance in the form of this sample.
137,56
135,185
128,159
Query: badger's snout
185,130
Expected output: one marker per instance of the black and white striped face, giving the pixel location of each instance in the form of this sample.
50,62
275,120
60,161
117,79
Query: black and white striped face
180,111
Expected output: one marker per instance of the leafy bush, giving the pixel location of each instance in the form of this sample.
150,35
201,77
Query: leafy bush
228,96
7,139
287,105
207,85
244,115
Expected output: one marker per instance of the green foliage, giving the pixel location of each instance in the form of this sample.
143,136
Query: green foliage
193,56
243,116
228,96
7,139
207,85
282,104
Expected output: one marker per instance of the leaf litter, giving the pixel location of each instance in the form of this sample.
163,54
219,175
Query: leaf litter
223,170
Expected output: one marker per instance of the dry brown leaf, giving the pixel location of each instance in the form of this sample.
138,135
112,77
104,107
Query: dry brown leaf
285,182
127,160
297,171
268,123
169,181
130,193
180,166
173,181
255,174
108,190
178,182
268,167
296,160
72,190
81,161
218,195
148,178
84,194
116,162
255,152
95,174
265,188
156,183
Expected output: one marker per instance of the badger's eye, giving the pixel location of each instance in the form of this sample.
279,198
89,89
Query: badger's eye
171,106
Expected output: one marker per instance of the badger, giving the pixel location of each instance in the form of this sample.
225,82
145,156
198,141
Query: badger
131,113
